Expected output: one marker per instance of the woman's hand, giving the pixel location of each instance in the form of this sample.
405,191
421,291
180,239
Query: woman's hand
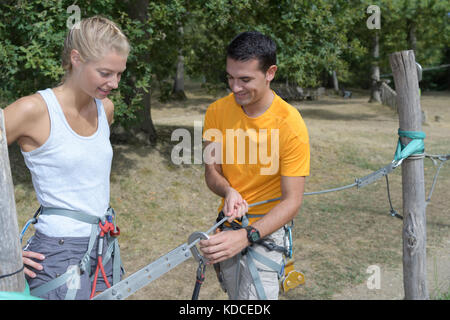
27,257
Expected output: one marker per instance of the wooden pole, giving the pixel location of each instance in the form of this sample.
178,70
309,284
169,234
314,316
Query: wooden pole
10,250
404,70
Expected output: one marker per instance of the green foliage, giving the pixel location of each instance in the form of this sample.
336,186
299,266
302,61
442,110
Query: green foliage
313,39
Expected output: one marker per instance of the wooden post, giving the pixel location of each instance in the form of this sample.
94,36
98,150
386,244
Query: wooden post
414,219
10,250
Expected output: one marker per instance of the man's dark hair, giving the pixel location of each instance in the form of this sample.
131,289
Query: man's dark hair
253,45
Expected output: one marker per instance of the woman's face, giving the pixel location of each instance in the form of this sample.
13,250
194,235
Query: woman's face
97,78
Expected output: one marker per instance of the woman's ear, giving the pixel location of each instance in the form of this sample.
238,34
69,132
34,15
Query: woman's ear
75,58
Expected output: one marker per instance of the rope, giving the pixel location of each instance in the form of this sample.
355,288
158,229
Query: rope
393,212
12,273
433,158
331,190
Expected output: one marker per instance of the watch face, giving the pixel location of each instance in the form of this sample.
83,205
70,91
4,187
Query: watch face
254,235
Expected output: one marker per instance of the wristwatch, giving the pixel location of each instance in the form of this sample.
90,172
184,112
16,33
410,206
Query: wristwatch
253,235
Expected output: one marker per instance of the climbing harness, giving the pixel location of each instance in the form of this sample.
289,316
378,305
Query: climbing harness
108,229
105,228
288,277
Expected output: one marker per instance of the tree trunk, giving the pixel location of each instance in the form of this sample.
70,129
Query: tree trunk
138,10
10,251
148,125
375,95
411,37
335,82
414,222
178,84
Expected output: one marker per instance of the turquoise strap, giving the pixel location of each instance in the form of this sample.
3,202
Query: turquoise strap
415,146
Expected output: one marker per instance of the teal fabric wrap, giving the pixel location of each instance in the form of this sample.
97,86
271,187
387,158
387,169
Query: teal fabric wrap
415,146
12,295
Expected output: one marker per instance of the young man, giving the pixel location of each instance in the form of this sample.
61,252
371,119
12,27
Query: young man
274,139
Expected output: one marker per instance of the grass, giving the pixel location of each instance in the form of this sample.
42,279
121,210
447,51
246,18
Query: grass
443,296
336,235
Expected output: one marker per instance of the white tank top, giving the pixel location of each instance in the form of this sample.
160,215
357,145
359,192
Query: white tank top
70,171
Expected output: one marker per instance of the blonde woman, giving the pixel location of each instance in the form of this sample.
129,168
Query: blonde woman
63,133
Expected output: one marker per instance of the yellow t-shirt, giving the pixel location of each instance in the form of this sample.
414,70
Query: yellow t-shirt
256,152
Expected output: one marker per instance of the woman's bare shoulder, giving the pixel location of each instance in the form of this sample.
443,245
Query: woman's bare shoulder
28,107
23,116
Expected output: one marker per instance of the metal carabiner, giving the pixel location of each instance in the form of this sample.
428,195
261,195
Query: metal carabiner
192,241
396,163
31,221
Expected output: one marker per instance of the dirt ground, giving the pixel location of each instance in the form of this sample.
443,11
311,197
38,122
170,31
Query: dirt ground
391,279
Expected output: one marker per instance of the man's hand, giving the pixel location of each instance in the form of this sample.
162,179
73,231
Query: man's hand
27,260
224,245
234,205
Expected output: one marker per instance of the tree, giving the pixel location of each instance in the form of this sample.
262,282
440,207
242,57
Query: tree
375,92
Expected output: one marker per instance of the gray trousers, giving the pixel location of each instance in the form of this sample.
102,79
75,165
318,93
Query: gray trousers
237,280
63,254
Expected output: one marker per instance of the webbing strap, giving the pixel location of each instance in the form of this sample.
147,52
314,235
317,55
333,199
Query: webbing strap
266,261
251,256
415,146
85,261
113,247
77,215
117,261
254,215
256,279
51,285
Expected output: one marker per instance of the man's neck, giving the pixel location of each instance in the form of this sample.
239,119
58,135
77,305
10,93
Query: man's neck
260,106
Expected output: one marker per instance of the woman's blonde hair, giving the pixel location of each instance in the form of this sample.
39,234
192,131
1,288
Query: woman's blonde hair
93,37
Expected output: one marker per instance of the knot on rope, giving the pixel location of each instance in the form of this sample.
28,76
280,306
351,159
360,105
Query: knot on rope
415,146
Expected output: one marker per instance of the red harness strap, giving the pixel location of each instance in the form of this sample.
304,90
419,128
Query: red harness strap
105,228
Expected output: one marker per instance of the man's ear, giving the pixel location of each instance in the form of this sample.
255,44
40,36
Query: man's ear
270,73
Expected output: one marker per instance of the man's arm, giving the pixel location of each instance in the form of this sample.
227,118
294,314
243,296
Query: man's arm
226,244
292,189
234,205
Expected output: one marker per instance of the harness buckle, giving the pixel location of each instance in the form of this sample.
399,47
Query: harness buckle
114,230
